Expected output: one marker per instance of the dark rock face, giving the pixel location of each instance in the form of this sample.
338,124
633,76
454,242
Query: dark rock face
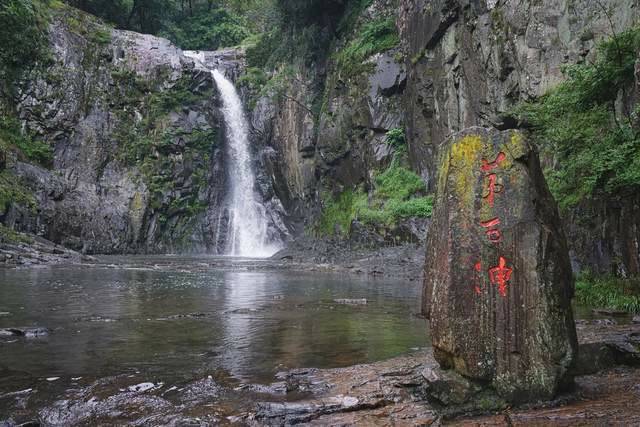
469,62
498,283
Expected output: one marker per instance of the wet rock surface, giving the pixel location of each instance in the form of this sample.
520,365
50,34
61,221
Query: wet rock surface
498,282
412,390
407,390
400,261
24,250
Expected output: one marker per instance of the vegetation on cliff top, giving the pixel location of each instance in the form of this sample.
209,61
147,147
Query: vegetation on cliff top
587,128
23,26
196,24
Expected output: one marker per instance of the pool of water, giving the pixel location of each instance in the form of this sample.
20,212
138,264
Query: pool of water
177,318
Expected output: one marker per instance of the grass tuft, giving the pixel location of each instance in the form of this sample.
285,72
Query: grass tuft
608,292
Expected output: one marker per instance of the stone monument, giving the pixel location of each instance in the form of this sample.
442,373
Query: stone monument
498,281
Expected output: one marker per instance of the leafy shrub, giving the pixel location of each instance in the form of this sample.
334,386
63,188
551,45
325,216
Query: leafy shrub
421,207
253,79
12,191
395,137
339,212
207,30
23,26
398,182
375,37
597,150
396,195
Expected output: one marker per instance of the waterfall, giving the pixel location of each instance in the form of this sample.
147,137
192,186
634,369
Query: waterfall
247,232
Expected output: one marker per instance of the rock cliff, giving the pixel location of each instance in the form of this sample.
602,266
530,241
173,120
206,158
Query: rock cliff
138,139
470,62
137,136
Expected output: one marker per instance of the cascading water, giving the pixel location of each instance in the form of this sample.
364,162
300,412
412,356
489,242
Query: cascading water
247,231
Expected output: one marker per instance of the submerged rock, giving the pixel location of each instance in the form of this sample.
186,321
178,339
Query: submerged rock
498,283
351,301
28,332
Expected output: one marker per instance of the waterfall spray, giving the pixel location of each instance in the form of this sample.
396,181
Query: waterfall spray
247,232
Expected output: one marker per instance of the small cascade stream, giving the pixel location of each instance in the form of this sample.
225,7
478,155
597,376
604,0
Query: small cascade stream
248,221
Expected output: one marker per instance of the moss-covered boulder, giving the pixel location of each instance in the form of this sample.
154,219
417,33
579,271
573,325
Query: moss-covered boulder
498,282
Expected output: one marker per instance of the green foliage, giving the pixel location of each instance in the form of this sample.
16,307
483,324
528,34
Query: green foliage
12,138
13,191
173,99
193,24
395,138
102,36
308,12
207,31
398,182
375,37
23,26
339,212
288,45
608,292
353,10
253,79
596,149
396,195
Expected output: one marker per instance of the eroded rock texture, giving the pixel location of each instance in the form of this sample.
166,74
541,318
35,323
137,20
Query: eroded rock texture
498,281
470,62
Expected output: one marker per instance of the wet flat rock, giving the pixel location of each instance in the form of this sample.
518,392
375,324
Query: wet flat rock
357,395
392,392
498,282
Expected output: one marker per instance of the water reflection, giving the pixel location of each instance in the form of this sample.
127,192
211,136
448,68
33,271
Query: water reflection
181,322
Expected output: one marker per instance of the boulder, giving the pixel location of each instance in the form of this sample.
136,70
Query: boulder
498,282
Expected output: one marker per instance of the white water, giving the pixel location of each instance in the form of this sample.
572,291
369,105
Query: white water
247,234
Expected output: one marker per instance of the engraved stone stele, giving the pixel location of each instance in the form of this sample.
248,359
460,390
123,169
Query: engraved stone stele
498,282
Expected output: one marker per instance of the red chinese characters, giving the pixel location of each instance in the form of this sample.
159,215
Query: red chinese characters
500,274
486,166
492,187
493,234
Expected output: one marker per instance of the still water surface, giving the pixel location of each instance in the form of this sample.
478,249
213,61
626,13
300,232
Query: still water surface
176,318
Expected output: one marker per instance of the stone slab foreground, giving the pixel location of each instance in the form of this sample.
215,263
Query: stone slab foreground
498,282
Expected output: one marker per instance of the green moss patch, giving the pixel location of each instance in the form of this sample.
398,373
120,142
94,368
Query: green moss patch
9,235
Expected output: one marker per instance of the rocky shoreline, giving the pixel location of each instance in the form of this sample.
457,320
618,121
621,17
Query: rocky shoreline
403,262
336,255
412,390
405,390
28,250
